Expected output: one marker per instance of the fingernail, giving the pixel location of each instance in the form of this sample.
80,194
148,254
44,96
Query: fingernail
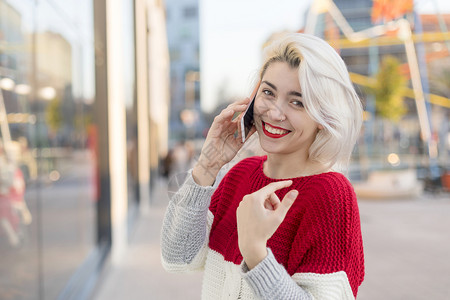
293,194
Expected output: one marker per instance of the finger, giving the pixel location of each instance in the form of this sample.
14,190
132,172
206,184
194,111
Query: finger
274,186
243,101
287,202
228,114
273,201
268,205
225,116
240,109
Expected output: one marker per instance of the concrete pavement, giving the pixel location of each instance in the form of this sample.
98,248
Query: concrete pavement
140,275
407,248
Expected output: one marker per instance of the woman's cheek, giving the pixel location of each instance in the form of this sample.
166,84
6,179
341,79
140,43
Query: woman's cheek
258,108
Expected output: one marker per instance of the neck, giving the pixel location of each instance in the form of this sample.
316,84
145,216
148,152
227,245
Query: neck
279,166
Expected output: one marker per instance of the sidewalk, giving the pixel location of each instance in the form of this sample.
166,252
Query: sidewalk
407,248
140,275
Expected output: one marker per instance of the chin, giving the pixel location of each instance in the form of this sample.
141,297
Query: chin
270,146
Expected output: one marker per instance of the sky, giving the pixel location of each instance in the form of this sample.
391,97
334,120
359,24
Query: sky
232,33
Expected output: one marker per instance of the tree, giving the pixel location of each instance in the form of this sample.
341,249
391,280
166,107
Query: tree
53,115
389,89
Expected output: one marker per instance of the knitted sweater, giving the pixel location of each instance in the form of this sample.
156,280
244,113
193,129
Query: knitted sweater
316,253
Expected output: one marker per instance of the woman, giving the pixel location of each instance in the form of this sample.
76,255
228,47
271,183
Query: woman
285,225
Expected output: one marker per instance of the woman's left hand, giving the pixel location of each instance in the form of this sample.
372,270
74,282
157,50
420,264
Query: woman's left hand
258,216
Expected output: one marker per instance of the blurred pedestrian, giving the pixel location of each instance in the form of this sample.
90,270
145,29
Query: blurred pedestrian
166,164
285,225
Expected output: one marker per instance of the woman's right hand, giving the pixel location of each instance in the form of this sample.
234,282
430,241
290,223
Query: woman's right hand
221,144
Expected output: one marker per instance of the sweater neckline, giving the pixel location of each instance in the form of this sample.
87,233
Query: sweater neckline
261,171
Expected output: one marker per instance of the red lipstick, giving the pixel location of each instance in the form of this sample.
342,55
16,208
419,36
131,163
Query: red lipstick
273,135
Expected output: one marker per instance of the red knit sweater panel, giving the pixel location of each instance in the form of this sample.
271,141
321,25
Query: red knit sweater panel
320,234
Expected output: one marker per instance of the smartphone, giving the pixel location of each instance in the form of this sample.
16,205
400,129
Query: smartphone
247,119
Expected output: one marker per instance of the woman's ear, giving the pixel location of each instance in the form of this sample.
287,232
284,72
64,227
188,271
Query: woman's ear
320,126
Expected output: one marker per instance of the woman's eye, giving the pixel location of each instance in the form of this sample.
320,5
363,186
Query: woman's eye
267,92
298,103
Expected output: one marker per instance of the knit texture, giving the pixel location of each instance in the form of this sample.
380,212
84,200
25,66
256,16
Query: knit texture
186,227
264,280
320,234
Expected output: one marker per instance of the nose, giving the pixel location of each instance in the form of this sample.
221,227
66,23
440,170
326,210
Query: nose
275,111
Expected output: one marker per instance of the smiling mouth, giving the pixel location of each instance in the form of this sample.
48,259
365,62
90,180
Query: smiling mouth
273,131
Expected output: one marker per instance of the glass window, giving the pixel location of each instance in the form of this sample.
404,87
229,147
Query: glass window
190,12
47,162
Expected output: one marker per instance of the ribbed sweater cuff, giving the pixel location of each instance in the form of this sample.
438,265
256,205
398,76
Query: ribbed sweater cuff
265,275
193,195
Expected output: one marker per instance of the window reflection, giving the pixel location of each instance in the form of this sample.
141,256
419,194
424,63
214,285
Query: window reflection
47,161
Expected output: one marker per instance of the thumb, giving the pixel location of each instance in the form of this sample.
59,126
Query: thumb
287,202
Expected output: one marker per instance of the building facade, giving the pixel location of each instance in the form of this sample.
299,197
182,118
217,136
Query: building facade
183,33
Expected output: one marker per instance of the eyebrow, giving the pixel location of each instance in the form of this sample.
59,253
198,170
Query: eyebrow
293,93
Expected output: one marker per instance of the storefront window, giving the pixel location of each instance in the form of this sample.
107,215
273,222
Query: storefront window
47,158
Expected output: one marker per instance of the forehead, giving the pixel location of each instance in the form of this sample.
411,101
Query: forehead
282,76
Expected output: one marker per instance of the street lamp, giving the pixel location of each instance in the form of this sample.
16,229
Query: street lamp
7,84
47,93
22,89
189,117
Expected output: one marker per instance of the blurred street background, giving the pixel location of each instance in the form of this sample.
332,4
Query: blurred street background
105,104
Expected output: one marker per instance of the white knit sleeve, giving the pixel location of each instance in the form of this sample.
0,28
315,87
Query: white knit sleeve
186,226
270,280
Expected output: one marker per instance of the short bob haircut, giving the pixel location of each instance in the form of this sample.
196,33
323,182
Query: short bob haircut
328,94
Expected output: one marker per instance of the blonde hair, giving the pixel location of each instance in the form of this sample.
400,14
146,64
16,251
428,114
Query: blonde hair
328,94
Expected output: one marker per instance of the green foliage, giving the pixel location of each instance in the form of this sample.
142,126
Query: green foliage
389,89
53,115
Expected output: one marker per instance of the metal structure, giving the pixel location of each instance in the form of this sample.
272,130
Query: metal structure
401,28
